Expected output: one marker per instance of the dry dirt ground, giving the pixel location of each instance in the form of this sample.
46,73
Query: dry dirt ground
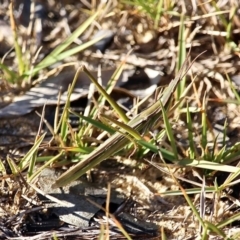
153,47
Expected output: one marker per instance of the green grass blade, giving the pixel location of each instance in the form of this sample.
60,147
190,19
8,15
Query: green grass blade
123,126
233,89
158,14
214,228
74,35
181,56
25,161
230,23
169,132
64,118
51,59
190,134
165,153
204,164
57,54
10,75
32,164
107,96
204,127
14,168
2,168
95,123
39,170
228,221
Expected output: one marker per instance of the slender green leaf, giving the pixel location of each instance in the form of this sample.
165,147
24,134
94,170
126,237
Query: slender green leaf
57,54
107,96
190,134
25,161
169,132
95,123
181,55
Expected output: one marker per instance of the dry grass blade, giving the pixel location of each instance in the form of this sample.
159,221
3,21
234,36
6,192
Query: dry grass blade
141,122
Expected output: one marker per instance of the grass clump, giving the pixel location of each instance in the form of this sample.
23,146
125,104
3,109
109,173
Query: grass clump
177,133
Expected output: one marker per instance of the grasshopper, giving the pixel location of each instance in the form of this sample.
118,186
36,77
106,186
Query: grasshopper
118,141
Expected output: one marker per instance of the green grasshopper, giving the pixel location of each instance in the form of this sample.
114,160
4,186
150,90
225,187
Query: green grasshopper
118,141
